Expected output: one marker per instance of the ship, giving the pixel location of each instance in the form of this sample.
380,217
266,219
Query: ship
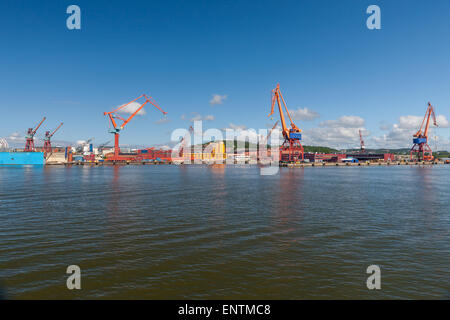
22,158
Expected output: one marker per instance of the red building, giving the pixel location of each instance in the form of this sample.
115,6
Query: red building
324,157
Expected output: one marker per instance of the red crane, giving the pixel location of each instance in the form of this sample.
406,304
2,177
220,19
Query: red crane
291,149
29,144
116,128
47,142
420,138
363,147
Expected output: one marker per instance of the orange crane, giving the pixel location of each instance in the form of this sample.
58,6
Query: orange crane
29,144
363,147
47,142
116,128
420,138
291,149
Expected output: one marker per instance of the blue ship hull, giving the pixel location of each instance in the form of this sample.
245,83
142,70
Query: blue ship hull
21,158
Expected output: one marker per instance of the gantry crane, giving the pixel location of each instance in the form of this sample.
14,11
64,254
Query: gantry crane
47,142
363,147
292,135
29,144
116,128
420,138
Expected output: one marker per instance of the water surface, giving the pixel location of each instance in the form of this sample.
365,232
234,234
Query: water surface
197,232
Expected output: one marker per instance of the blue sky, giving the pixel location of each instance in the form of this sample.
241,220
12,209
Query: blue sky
183,52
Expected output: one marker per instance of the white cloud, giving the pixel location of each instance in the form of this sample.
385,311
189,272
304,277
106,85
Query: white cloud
344,121
335,137
183,117
400,134
163,120
304,114
236,127
199,117
15,137
217,99
414,122
409,122
442,121
131,108
342,133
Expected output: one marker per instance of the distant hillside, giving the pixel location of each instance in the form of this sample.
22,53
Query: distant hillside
319,149
394,151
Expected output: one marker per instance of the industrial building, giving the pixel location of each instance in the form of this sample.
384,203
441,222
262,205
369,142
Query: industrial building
324,157
386,157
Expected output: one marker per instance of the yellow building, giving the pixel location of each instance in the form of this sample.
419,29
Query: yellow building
214,151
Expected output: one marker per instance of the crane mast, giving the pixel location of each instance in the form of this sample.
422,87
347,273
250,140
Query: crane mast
29,144
291,150
363,147
420,138
113,115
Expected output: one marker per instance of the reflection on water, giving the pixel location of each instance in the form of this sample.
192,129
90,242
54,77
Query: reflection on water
225,232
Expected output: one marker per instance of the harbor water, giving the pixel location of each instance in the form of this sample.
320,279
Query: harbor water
199,232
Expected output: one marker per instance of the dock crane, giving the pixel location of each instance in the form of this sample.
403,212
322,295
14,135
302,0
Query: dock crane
47,142
292,135
420,138
29,144
363,147
116,128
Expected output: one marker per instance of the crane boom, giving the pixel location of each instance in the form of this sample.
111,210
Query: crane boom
51,135
37,127
116,128
270,132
